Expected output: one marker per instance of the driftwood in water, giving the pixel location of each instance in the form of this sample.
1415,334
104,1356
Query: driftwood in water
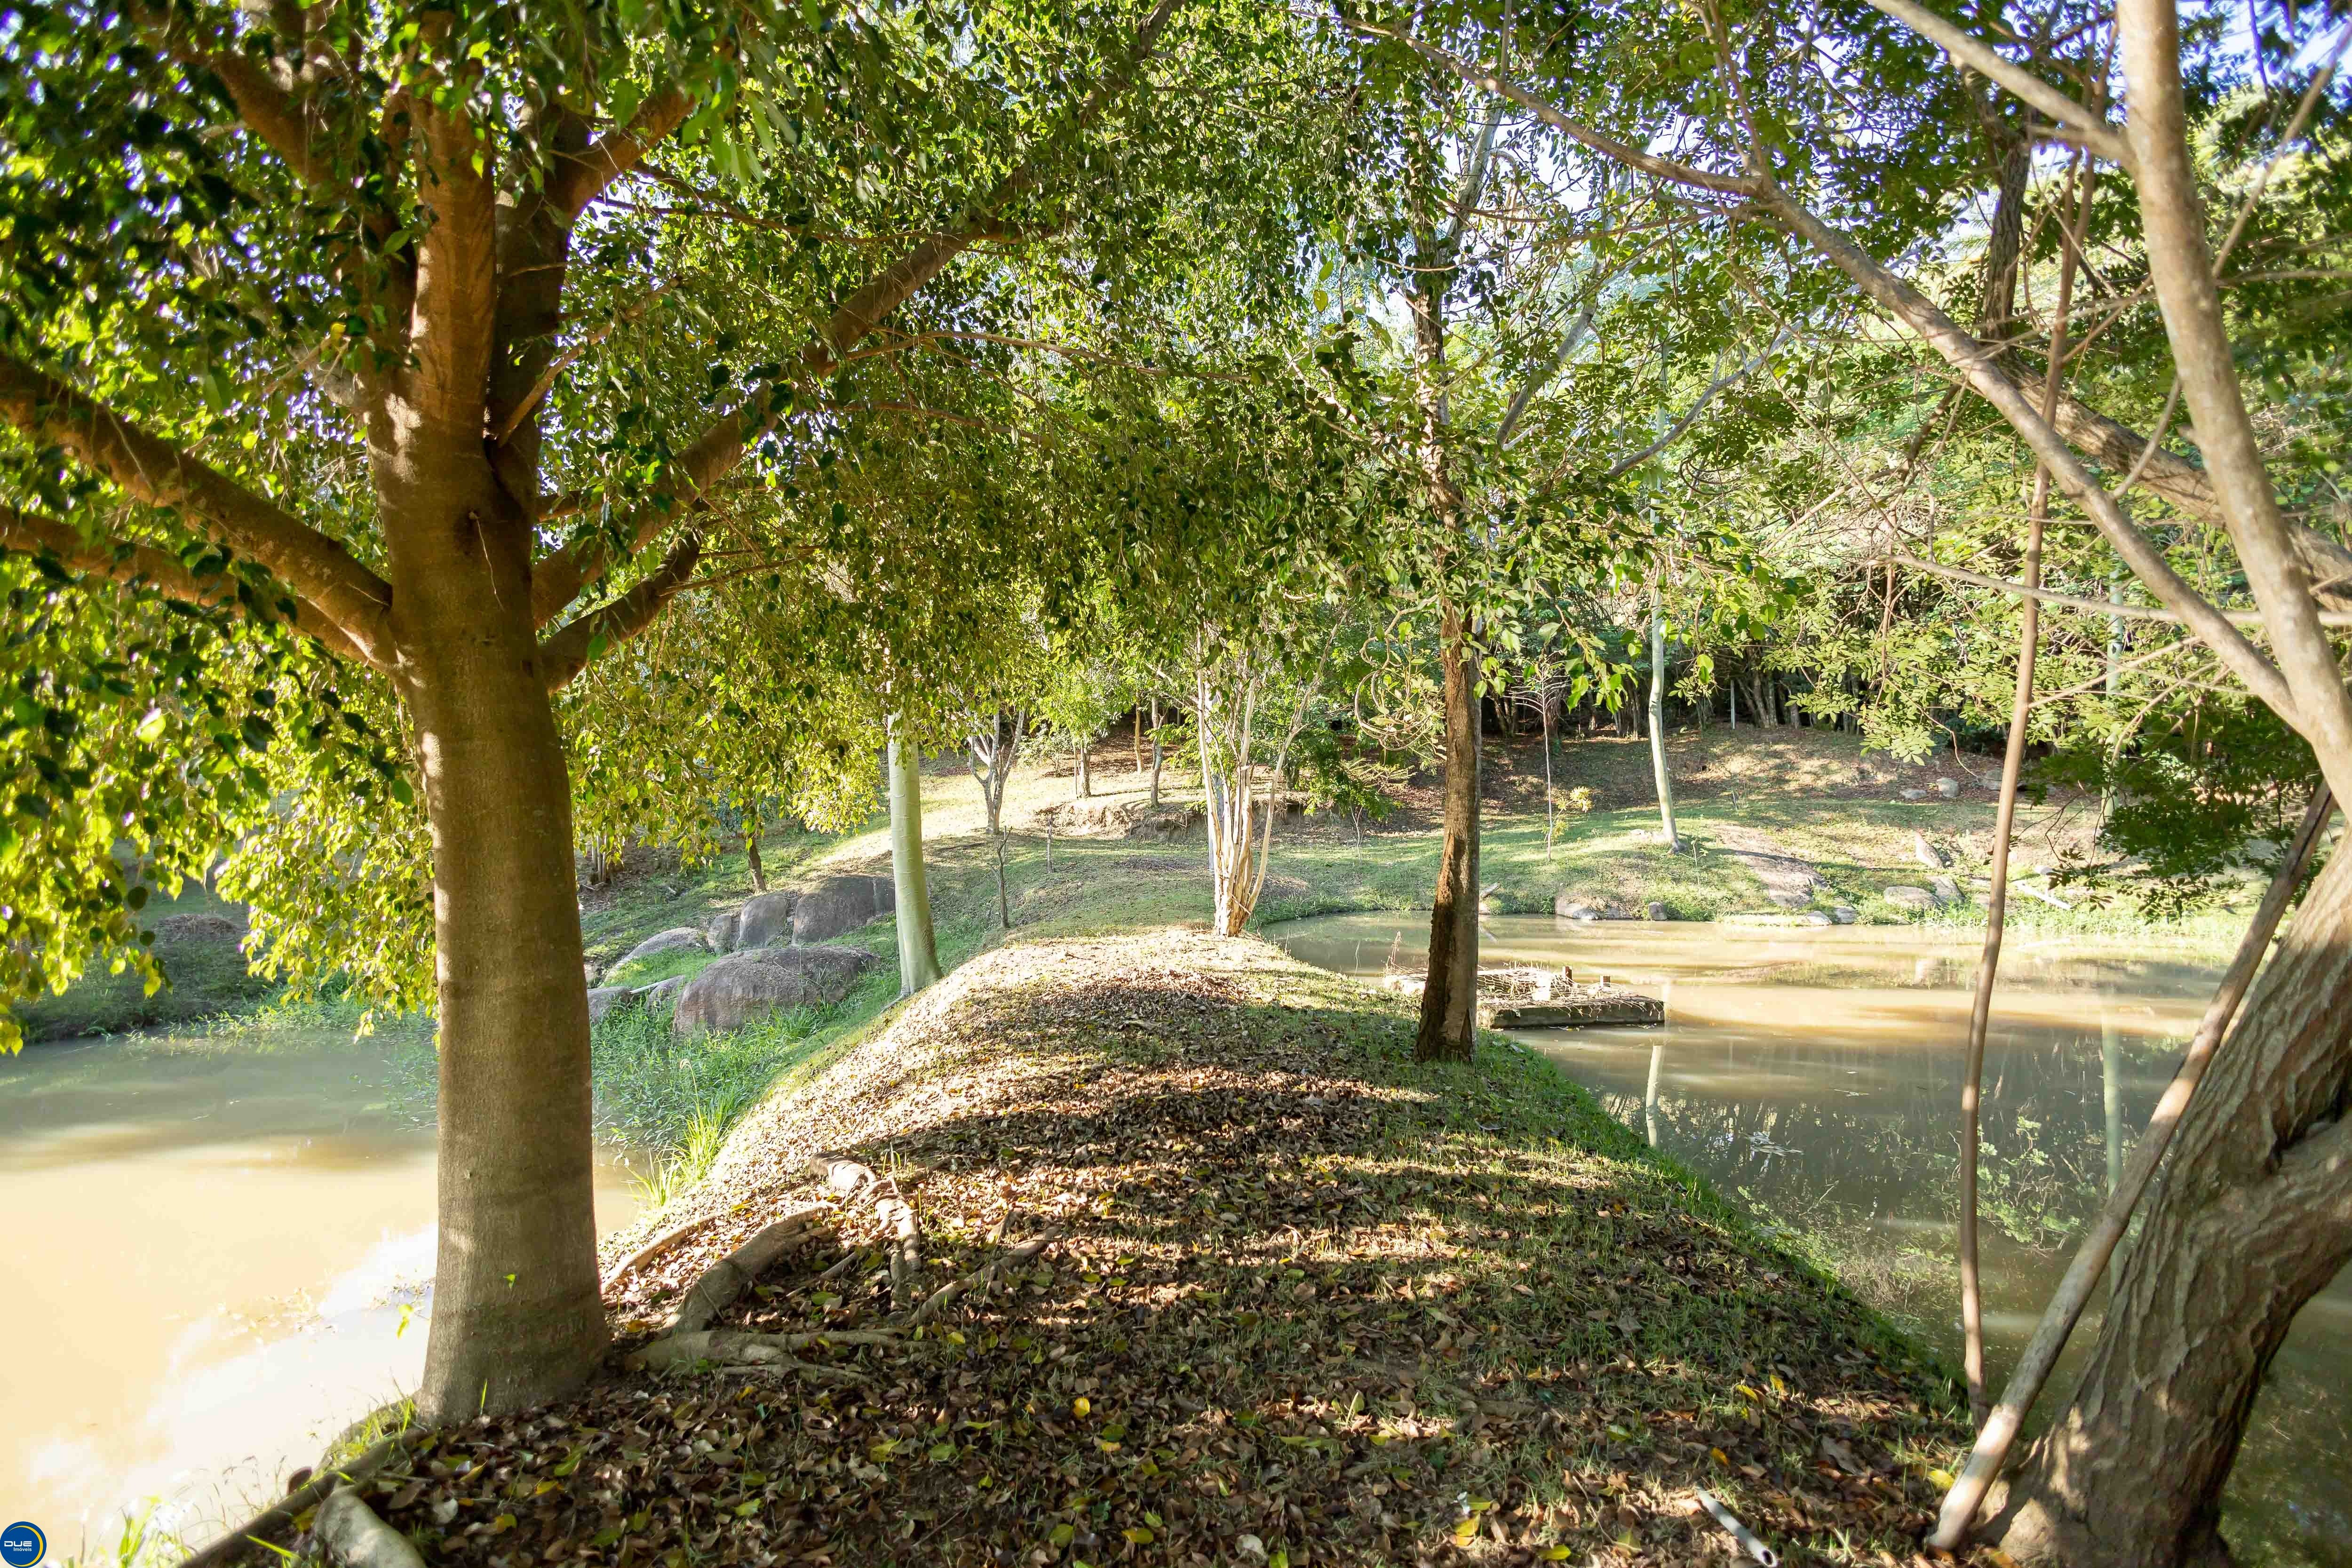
1528,998
247,1538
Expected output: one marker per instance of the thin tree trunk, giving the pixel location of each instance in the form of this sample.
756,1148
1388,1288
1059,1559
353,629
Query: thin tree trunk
1449,997
1658,724
1551,825
918,952
2028,637
517,1318
1156,757
2105,1233
1003,903
752,854
2253,1218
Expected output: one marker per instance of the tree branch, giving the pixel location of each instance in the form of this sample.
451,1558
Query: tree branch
118,562
1625,152
2074,602
2094,131
2172,223
1674,430
158,474
564,652
1975,363
561,578
587,175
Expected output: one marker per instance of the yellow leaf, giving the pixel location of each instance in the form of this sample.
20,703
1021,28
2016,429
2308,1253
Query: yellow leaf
1107,1446
1941,1478
501,1524
1082,1404
1718,1456
1138,1535
955,1337
1749,1392
546,1487
1555,1554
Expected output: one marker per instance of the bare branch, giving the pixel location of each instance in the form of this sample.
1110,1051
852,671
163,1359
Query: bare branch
156,473
119,561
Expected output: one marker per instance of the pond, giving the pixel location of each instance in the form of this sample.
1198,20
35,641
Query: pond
221,1256
1815,1074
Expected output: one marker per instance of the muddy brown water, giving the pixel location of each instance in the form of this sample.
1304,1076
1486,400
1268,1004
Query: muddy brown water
1815,1076
218,1256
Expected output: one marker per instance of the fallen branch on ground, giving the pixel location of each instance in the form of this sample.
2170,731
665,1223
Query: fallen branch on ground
727,1278
946,1295
278,1515
658,1246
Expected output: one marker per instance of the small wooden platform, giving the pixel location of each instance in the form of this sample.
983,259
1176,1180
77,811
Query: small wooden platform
1549,999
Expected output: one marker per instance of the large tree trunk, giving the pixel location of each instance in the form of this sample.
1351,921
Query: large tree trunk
2253,1217
918,952
516,1314
1449,999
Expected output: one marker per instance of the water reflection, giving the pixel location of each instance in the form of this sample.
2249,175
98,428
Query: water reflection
219,1257
1816,1075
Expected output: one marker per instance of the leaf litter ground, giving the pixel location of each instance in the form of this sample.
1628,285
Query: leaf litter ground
1304,1301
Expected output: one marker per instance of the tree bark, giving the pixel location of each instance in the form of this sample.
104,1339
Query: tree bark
517,1318
2253,1218
752,854
1449,999
1155,754
918,952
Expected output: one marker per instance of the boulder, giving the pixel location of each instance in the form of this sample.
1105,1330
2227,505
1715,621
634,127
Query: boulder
1844,914
720,931
1943,889
1948,788
604,999
750,984
839,905
1657,910
764,922
673,940
199,927
1913,898
1914,794
1578,907
1789,899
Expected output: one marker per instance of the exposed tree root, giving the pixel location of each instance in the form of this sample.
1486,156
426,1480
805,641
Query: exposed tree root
657,1246
727,1278
350,1533
897,1217
728,1345
249,1536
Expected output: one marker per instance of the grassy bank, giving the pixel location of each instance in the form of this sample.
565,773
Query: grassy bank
1306,1301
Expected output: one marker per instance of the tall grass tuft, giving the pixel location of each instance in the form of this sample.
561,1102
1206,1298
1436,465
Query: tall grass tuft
657,1092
